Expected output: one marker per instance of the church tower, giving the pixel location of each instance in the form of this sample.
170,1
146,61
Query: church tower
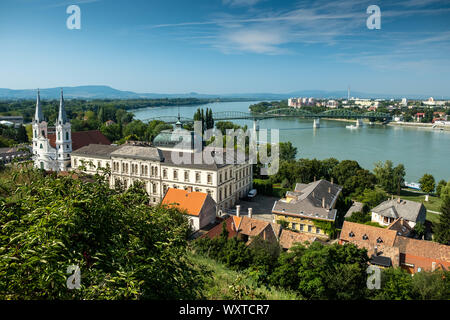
63,137
40,142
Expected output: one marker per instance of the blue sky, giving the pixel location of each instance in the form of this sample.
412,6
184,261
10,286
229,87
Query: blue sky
227,46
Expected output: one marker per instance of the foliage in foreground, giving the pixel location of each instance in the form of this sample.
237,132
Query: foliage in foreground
317,271
227,284
124,248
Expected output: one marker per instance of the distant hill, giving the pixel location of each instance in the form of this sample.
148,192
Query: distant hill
106,92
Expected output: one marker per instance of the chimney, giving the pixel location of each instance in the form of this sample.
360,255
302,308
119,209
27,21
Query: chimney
250,212
329,189
314,178
332,180
323,202
399,200
238,211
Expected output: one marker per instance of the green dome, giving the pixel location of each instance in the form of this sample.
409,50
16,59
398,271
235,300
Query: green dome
178,137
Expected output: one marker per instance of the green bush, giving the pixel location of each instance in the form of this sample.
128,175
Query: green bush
124,248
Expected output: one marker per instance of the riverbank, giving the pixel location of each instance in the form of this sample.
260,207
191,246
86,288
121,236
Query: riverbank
420,125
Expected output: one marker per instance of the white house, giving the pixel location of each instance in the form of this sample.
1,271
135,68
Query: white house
390,210
199,207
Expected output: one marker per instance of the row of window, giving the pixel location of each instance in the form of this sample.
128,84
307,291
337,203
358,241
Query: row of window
227,191
59,135
186,175
302,227
142,170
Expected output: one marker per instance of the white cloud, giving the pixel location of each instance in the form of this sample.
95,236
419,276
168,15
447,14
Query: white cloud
264,41
320,22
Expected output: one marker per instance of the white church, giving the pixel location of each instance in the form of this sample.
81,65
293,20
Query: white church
45,156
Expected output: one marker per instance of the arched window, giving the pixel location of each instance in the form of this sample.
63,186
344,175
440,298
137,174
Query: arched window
67,135
40,146
59,136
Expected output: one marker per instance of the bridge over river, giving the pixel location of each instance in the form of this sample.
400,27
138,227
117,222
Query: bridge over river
284,112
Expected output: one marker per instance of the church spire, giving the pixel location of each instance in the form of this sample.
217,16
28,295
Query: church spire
179,124
62,117
39,116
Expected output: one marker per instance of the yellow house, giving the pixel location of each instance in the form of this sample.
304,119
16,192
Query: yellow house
311,202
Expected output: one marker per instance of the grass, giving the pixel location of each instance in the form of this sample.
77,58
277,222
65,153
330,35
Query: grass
227,284
434,203
433,218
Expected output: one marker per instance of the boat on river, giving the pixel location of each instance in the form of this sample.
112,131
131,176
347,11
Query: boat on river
412,185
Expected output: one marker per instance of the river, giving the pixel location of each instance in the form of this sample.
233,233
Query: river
420,150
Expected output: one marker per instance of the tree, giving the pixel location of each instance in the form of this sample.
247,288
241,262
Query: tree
427,183
439,187
396,284
137,128
112,132
352,177
124,248
390,178
323,271
359,217
419,229
372,198
431,285
442,229
287,151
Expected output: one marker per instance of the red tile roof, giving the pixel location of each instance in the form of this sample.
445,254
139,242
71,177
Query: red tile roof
354,232
191,202
217,230
289,238
423,248
82,138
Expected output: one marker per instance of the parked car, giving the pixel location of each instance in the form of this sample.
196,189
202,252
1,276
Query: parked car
251,193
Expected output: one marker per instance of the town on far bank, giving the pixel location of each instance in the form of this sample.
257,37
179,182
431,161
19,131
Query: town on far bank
413,112
229,214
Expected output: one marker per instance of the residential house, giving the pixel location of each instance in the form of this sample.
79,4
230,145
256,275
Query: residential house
390,210
308,203
246,229
419,116
198,206
387,247
9,154
356,207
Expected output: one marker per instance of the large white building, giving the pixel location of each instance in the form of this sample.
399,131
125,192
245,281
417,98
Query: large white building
45,156
225,183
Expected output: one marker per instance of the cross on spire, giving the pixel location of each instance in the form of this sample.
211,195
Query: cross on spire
62,117
38,116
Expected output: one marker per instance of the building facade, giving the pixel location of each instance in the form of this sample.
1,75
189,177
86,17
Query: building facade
199,207
307,204
225,183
